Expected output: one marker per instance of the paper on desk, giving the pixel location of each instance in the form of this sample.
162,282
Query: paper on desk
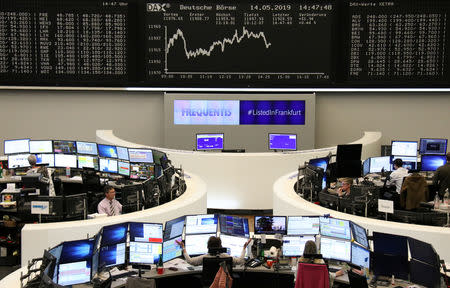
178,263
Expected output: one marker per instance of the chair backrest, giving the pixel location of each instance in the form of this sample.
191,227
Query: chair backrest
356,280
211,266
91,181
312,275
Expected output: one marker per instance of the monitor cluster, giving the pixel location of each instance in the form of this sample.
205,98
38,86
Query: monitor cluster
276,141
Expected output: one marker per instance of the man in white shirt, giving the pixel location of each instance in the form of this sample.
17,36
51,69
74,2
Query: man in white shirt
396,177
109,205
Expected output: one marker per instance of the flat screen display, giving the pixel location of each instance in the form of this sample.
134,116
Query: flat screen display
303,225
140,155
432,162
293,246
142,171
366,166
171,249
16,146
122,153
378,163
89,148
282,141
108,165
404,148
174,228
233,225
335,227
197,244
360,256
145,253
41,146
196,224
48,159
74,273
409,162
336,249
210,141
359,235
18,161
270,225
66,160
234,244
107,151
114,234
62,146
124,168
321,163
88,162
112,255
146,232
75,251
433,146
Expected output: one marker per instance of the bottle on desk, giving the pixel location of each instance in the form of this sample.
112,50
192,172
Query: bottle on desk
446,196
437,201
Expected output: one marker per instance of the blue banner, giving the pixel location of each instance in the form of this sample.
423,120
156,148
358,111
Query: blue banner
288,112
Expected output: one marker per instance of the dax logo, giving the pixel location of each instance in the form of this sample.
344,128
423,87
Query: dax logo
157,7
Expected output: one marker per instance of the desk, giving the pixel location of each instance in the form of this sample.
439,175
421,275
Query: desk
446,211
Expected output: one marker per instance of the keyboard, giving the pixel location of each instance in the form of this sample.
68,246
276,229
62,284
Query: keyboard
333,269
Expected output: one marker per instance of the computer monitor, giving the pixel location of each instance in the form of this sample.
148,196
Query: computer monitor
206,223
197,244
142,171
233,225
146,232
41,146
124,168
336,249
95,260
66,160
145,253
75,262
359,235
140,155
171,249
348,160
213,141
293,246
174,228
75,205
16,146
108,165
270,225
423,252
390,255
321,163
64,146
55,205
46,159
433,146
88,162
234,244
131,197
333,227
404,148
157,155
303,225
18,161
282,141
108,151
409,162
360,256
56,252
366,166
379,163
112,255
89,148
114,234
432,162
424,274
122,153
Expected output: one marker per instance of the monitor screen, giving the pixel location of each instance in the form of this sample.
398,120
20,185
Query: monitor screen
146,232
423,251
404,148
424,274
197,244
409,162
366,166
140,155
66,160
378,163
62,146
48,159
114,234
88,162
171,249
75,251
142,171
321,163
335,228
157,155
122,153
433,146
74,273
336,249
360,256
95,260
390,244
303,225
124,168
234,244
112,255
270,225
359,235
282,141
56,252
174,228
41,146
108,165
16,146
233,225
18,161
210,141
432,162
206,223
107,151
390,255
145,253
75,206
293,246
89,148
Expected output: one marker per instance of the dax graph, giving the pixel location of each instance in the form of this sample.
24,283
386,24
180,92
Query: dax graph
238,44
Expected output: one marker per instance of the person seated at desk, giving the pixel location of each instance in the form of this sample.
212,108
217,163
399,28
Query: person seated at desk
109,205
44,171
441,178
414,190
213,243
311,249
396,177
345,190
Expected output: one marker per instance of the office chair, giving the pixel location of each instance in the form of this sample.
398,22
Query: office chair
91,181
356,280
312,275
414,191
210,267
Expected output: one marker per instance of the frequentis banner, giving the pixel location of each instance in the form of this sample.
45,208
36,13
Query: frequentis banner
206,112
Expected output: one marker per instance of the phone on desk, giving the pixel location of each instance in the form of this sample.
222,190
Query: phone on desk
255,262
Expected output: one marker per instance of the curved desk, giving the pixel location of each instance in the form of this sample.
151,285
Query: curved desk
37,237
243,180
287,202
